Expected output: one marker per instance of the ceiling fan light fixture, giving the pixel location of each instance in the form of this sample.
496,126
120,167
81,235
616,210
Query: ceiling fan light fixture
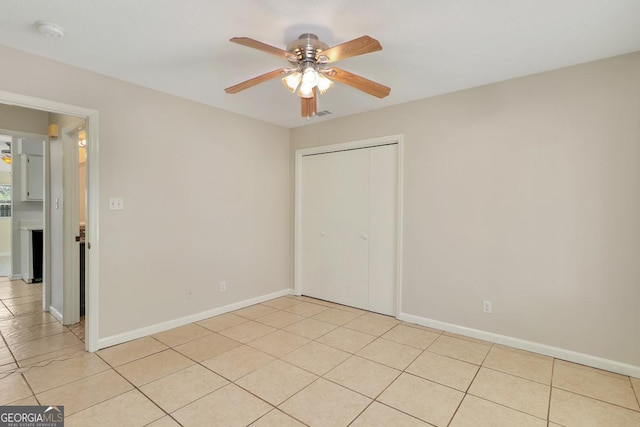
324,83
82,138
306,90
311,79
292,81
310,76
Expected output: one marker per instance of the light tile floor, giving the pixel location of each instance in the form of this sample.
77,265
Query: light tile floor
5,266
297,361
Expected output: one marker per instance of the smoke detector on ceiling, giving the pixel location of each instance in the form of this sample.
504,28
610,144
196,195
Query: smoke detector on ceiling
50,29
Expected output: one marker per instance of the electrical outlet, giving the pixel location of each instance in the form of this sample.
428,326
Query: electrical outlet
486,307
223,286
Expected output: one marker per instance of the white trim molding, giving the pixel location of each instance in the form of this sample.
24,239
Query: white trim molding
55,313
164,326
547,350
352,145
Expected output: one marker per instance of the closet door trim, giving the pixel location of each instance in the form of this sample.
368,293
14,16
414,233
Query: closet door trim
366,143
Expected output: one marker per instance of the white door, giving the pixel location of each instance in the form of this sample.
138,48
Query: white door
313,226
348,224
383,219
345,250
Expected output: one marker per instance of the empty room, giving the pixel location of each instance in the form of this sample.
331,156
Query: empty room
339,213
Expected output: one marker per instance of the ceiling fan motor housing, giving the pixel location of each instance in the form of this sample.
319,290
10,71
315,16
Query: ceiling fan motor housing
306,48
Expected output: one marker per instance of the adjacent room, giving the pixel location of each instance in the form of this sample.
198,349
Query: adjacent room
339,213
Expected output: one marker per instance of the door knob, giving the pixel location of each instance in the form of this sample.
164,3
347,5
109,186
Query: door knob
364,237
323,234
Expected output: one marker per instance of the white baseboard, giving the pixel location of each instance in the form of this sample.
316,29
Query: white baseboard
55,313
164,326
559,353
15,277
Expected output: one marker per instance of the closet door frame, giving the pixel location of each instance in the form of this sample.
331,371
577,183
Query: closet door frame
366,143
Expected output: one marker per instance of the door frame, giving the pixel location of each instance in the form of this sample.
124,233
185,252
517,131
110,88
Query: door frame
352,145
92,230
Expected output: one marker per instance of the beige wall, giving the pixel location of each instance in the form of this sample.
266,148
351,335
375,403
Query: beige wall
23,119
205,193
525,193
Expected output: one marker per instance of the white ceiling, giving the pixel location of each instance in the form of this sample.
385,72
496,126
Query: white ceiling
430,47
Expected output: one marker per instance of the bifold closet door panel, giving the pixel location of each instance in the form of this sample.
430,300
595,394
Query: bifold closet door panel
312,225
345,248
383,212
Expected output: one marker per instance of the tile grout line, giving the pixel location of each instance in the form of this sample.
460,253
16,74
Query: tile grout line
33,394
635,392
195,363
46,336
356,355
375,399
592,397
505,406
361,412
596,399
279,410
2,375
514,375
466,392
318,377
553,368
134,388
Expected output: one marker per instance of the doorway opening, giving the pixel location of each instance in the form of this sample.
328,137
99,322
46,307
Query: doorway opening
87,122
5,205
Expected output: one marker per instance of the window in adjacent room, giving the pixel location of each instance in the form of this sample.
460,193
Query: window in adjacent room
5,200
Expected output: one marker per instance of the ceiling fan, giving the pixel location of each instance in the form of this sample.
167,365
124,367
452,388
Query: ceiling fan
6,154
310,72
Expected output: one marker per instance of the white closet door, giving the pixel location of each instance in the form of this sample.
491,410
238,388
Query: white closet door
349,223
312,225
383,212
345,249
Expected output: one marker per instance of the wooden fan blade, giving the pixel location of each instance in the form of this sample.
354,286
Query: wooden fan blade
359,46
246,41
309,106
360,83
257,80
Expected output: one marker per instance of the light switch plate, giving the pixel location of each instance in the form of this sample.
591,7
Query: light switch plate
116,203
